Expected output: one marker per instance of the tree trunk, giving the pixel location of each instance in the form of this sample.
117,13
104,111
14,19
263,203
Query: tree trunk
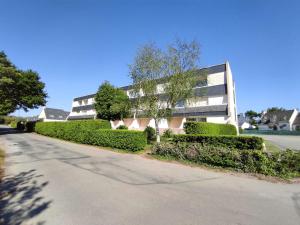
157,131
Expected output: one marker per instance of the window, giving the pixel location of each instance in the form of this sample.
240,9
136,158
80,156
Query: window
196,119
85,101
201,119
180,104
80,102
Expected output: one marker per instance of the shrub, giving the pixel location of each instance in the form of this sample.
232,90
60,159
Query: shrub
13,124
284,164
86,133
209,128
168,133
29,126
238,142
20,125
122,127
8,119
150,133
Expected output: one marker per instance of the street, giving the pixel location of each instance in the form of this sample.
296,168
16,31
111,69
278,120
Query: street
49,181
283,141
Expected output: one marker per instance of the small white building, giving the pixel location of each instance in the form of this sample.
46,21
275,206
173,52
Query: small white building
50,115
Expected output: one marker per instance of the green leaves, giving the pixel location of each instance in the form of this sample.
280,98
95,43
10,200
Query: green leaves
172,71
111,103
19,89
93,132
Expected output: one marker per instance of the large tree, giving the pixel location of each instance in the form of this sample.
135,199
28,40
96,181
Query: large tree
19,89
172,71
111,103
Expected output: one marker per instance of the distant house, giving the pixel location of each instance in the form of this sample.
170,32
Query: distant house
244,122
50,114
279,120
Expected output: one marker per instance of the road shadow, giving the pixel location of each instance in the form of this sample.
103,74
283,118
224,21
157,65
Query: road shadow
8,130
20,198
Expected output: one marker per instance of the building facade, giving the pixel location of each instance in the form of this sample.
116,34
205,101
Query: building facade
214,100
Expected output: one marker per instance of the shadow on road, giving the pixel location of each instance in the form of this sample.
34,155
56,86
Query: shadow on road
20,198
8,130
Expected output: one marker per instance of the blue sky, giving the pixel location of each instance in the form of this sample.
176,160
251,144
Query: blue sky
76,45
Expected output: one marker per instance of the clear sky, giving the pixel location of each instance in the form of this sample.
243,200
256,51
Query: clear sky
76,45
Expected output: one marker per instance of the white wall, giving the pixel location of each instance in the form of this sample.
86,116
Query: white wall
217,100
217,119
216,79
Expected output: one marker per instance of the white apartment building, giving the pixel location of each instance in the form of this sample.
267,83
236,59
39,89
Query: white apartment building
213,101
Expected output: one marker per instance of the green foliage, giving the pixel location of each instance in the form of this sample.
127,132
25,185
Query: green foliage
209,128
30,126
275,109
86,133
7,119
19,89
111,103
174,69
251,114
239,142
150,134
21,125
168,133
283,164
122,127
13,124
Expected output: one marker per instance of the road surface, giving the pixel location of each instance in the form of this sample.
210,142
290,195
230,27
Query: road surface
283,141
49,181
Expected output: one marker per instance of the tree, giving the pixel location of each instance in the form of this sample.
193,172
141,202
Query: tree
251,115
111,103
173,69
19,89
275,109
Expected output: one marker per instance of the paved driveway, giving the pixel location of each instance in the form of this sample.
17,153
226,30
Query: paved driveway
283,141
55,182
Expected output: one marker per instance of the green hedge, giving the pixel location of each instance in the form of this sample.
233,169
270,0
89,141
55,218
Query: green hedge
283,164
209,128
238,142
86,133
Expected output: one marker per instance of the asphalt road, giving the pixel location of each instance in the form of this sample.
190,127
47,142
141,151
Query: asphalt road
49,181
283,141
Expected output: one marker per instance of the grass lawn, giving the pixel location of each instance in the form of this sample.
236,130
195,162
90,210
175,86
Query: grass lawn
270,147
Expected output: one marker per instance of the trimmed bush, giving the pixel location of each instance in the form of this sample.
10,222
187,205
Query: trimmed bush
13,124
283,164
20,125
238,142
168,133
209,128
86,133
8,120
29,126
150,134
122,127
